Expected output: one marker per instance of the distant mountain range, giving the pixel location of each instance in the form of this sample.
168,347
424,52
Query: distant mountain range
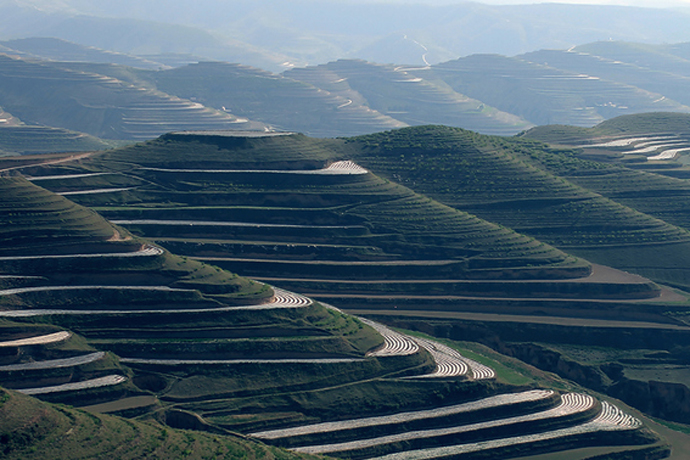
275,35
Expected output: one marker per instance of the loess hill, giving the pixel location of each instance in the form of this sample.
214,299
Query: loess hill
97,317
342,220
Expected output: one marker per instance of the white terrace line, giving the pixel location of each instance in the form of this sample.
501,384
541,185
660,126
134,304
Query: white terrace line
55,363
337,168
668,154
395,344
95,191
610,419
180,362
653,148
282,299
64,176
83,385
626,141
571,404
145,251
38,340
448,362
226,224
23,290
479,371
491,402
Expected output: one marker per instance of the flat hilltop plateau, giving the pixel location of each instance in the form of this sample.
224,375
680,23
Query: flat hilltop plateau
425,292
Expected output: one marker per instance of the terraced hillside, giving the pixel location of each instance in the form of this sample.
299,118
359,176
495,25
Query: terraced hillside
498,180
408,97
55,49
23,140
100,106
272,99
629,70
544,94
325,220
96,317
294,212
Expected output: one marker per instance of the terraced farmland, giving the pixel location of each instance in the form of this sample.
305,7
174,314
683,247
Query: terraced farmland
276,100
408,97
544,94
551,198
101,106
238,353
236,216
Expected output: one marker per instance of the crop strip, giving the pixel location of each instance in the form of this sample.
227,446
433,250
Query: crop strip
571,403
181,362
55,363
83,385
146,251
38,340
491,402
610,419
282,299
395,344
210,223
337,168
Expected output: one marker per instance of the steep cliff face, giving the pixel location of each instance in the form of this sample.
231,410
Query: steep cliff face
667,400
670,401
552,361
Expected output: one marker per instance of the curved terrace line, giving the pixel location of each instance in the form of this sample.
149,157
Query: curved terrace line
571,404
95,191
110,380
180,362
450,363
145,251
211,223
395,344
64,176
23,290
38,340
610,419
55,363
491,402
282,299
337,168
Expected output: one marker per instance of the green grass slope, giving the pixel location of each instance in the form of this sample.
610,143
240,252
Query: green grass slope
31,429
495,179
346,210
